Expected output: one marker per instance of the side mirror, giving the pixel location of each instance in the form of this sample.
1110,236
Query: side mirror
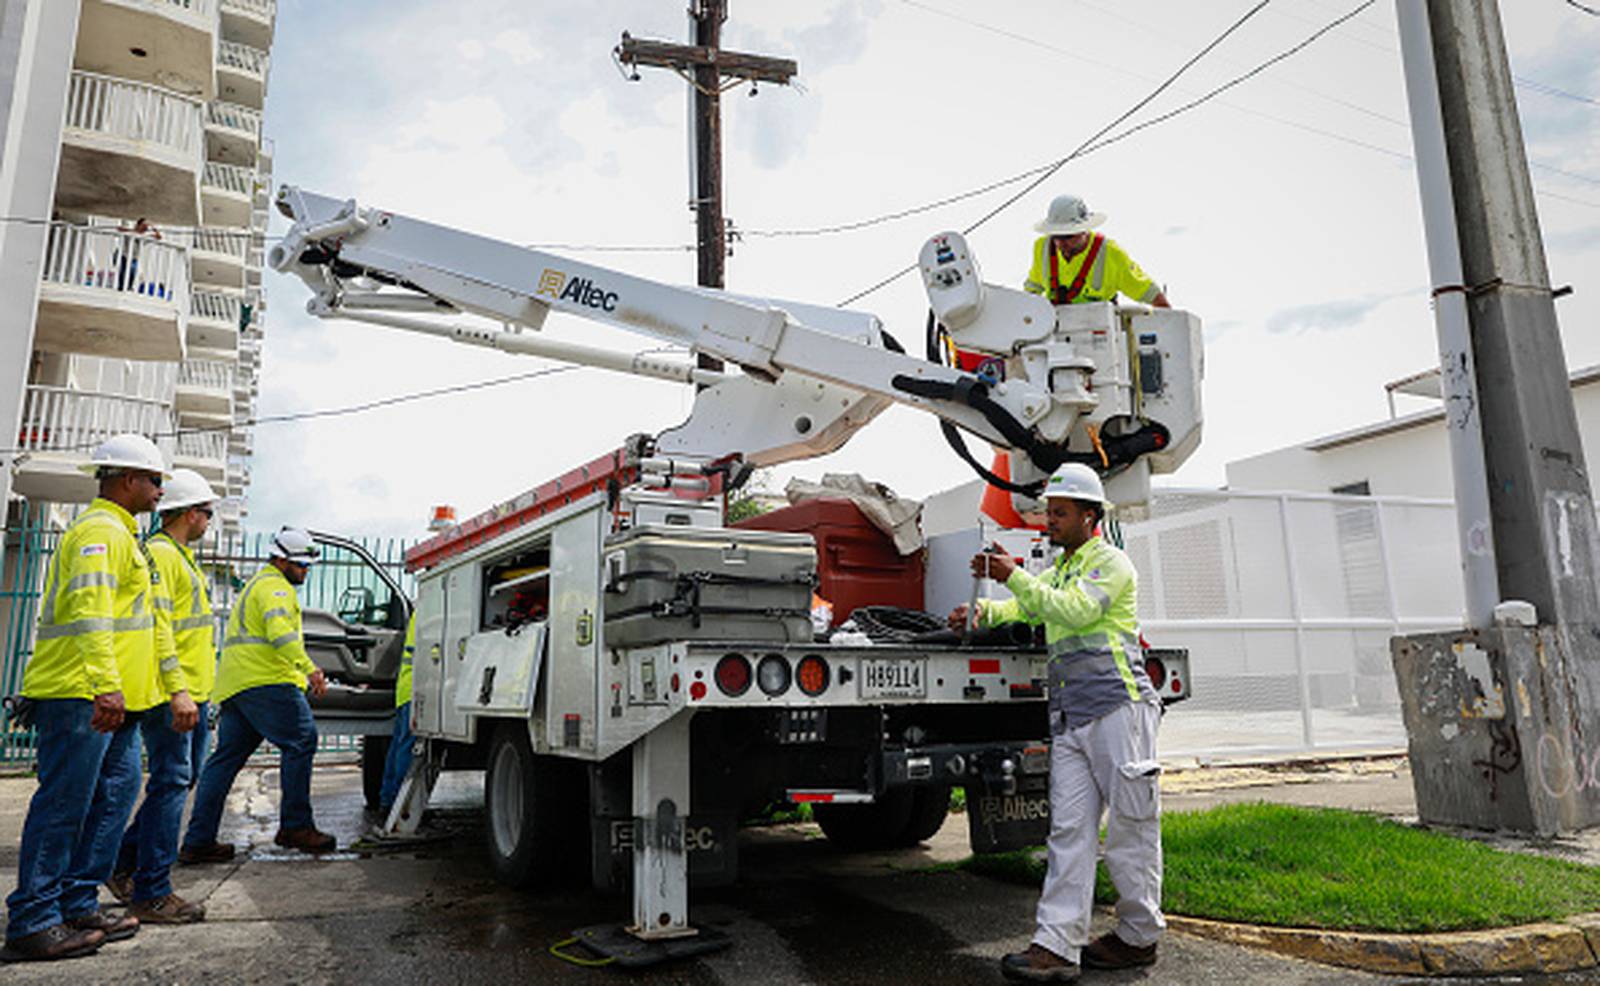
355,602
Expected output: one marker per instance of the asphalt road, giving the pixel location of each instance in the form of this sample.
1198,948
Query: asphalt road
801,913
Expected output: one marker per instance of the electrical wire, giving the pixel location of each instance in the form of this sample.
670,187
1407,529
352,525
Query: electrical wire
1091,142
1591,11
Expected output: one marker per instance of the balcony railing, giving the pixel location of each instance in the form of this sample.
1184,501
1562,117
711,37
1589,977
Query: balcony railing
134,111
211,446
230,178
263,9
199,8
232,54
59,419
83,256
215,306
228,242
207,373
220,113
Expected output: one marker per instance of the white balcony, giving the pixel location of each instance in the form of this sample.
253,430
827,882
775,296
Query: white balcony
213,319
129,150
205,386
226,194
242,74
249,22
206,452
169,43
108,293
233,133
241,441
216,258
61,426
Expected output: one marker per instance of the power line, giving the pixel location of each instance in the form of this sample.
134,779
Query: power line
1591,11
1090,143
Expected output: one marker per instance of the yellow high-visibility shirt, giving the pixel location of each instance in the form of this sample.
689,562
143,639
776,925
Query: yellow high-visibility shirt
402,683
194,628
98,631
263,645
1113,271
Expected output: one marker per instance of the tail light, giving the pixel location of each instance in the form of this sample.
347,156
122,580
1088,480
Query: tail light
1157,670
733,675
812,675
772,675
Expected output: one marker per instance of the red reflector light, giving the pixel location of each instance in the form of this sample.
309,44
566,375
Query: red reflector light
1177,687
801,797
733,675
697,690
983,665
1157,671
812,675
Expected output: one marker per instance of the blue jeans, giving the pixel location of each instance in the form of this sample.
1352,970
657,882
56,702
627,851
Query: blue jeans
399,759
199,742
88,782
150,844
70,755
279,714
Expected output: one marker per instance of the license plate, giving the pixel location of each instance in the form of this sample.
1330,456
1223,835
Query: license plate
894,678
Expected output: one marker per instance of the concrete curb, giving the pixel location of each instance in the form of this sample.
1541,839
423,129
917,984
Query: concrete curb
1562,946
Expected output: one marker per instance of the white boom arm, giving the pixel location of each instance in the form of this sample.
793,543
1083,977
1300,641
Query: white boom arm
812,375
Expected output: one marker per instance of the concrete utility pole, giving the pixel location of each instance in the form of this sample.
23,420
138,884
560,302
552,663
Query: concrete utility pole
709,69
1504,721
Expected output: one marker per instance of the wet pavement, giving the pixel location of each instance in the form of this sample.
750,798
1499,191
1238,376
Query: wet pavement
800,913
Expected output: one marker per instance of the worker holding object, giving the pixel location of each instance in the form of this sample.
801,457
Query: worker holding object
1103,719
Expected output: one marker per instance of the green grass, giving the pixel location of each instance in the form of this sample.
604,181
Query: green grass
1323,868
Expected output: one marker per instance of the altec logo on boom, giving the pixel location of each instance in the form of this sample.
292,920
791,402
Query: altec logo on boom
579,290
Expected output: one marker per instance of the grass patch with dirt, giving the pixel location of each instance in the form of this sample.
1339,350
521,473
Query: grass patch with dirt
1323,868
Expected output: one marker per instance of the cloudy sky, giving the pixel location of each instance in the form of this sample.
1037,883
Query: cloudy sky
1283,213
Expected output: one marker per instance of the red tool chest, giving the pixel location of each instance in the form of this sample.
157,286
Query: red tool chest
857,564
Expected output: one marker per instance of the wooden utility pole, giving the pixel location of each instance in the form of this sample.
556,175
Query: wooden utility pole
709,70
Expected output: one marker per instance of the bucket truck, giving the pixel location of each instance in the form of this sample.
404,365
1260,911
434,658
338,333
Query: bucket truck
632,675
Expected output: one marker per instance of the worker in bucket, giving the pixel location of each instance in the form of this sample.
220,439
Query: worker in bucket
1103,718
143,876
261,684
1072,264
102,662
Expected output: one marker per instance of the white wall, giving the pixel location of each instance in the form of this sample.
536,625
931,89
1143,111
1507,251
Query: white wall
1411,462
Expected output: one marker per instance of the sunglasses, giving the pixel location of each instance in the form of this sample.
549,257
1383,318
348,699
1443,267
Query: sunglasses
153,478
206,510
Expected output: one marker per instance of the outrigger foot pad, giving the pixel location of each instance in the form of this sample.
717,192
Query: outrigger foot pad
614,944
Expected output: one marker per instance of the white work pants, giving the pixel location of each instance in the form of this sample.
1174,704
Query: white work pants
1108,763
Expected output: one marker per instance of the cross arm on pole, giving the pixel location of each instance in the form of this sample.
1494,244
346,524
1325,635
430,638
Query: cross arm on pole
686,58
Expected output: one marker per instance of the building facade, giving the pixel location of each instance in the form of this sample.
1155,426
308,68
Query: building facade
135,182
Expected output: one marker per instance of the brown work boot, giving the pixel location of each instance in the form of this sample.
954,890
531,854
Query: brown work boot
217,852
121,887
1110,952
170,909
306,839
114,928
1038,965
55,942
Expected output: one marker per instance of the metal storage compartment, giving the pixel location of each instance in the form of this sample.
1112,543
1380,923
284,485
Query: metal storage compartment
857,564
666,583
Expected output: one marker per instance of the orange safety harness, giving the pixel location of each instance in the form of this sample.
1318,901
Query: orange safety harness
1066,296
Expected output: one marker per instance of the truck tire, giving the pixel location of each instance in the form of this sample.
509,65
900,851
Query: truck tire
534,810
880,825
929,806
374,754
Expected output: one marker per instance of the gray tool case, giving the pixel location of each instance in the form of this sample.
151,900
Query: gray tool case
666,583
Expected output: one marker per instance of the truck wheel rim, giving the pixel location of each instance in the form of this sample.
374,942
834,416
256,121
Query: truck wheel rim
508,794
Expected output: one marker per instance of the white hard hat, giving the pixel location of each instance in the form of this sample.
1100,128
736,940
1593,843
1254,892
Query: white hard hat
1068,214
186,488
293,544
1075,481
127,451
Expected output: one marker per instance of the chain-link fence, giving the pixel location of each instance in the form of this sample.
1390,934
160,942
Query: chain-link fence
1286,603
336,583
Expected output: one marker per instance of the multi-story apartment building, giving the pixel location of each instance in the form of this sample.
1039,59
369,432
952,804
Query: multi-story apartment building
134,185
